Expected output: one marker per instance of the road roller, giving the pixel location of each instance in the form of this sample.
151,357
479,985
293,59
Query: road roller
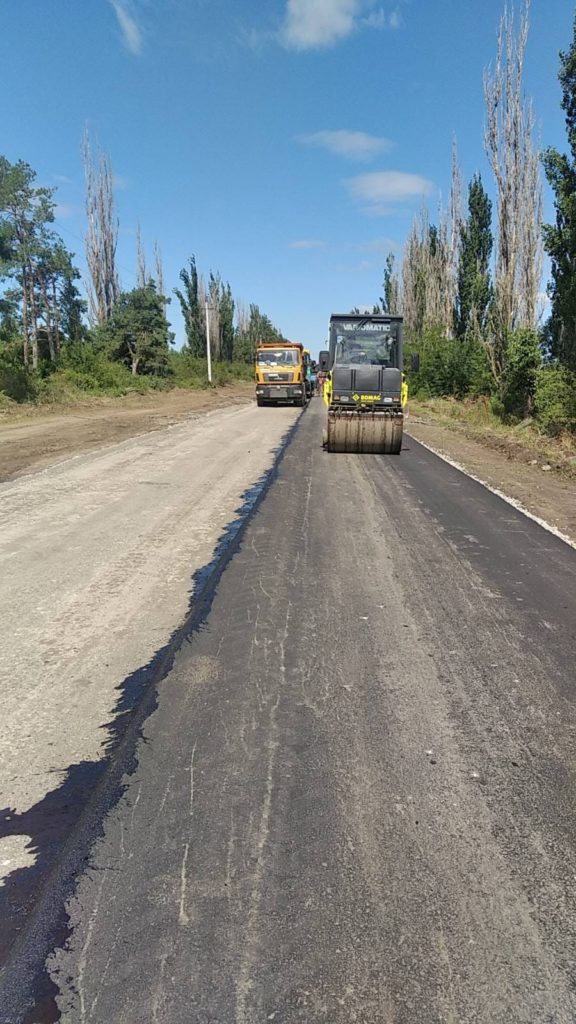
365,389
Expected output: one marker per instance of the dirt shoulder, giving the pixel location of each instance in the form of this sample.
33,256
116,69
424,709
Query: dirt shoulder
517,473
37,437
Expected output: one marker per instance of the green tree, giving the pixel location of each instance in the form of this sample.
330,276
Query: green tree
25,212
55,274
73,308
390,300
474,287
226,310
192,312
523,360
10,326
560,237
137,332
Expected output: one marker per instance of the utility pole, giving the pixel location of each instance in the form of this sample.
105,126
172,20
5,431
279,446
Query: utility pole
208,354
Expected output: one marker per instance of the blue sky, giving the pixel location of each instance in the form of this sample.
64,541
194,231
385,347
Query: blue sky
287,143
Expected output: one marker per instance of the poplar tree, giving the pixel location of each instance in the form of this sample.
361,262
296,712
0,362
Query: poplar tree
474,286
514,159
189,298
102,233
560,237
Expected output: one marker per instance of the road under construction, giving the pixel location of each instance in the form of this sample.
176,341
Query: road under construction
346,791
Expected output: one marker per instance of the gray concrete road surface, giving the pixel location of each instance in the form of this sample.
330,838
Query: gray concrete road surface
355,800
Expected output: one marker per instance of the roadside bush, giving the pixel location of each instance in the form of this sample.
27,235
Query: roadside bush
67,384
18,383
190,371
448,366
6,403
91,370
555,400
523,360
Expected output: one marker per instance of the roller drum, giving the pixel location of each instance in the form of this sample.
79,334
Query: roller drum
376,433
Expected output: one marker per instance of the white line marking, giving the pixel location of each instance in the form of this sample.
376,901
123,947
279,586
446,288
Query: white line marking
500,494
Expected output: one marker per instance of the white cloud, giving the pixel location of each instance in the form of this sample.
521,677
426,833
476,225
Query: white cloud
353,145
309,24
313,24
130,29
378,188
381,18
307,243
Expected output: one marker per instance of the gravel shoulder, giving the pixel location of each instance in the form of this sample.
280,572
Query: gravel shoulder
36,437
98,560
545,494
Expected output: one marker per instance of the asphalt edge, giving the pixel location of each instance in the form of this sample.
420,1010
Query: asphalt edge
26,961
495,490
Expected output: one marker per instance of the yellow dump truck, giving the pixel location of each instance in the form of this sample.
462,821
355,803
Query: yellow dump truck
281,373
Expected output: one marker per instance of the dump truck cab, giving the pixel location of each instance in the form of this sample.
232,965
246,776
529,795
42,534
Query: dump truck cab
281,372
365,390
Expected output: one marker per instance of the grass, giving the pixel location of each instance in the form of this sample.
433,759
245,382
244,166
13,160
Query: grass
88,379
475,419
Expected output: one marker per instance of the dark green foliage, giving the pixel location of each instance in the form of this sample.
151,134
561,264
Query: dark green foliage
389,299
523,361
15,380
36,261
194,318
555,399
474,287
560,238
190,371
137,333
448,366
83,367
9,316
72,311
25,209
226,311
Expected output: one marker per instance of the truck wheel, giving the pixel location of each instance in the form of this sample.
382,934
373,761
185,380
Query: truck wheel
260,401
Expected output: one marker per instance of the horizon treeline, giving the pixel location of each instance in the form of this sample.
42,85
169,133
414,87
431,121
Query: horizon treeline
54,338
469,285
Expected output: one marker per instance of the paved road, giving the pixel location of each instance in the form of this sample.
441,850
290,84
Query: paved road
355,800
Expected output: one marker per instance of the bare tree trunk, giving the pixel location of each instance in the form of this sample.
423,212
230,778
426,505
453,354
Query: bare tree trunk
25,319
102,233
453,242
142,273
515,164
49,319
56,318
33,319
214,313
159,270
